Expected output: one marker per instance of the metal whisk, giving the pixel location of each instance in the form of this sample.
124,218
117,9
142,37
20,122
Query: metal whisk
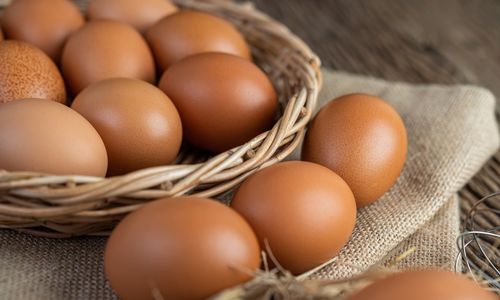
479,243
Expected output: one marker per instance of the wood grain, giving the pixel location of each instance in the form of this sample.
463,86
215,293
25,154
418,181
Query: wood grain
422,41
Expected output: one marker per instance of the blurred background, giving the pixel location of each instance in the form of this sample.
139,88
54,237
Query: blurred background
422,41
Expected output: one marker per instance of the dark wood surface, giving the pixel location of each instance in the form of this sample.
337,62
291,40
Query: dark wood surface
426,41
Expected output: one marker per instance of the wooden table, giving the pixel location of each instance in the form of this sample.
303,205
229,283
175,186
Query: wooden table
422,41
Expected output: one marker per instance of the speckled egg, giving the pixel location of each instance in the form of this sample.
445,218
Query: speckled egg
140,14
105,49
45,24
27,72
191,32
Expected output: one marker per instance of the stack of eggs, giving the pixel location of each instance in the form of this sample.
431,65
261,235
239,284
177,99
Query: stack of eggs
143,77
142,73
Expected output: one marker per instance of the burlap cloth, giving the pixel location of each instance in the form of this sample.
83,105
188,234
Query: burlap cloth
452,132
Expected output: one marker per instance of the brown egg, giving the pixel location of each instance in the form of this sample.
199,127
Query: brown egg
191,32
138,123
224,100
140,14
43,23
305,211
105,49
424,285
27,72
184,248
48,137
1,34
361,138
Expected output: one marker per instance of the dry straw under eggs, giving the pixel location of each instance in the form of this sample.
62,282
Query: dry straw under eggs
62,206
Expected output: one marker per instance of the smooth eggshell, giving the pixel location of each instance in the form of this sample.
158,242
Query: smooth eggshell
138,123
424,285
191,32
27,72
43,23
48,137
186,248
305,211
140,14
224,100
105,49
361,138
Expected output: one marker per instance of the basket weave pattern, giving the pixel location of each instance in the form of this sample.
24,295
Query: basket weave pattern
61,206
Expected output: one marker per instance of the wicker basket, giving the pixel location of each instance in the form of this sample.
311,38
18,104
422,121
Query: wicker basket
63,206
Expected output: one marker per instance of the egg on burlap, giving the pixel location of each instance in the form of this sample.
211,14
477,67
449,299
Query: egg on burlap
424,285
180,248
303,211
363,139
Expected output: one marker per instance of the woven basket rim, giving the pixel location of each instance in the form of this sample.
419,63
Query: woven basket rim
63,206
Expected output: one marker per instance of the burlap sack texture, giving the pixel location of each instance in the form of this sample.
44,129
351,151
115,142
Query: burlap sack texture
434,244
452,132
